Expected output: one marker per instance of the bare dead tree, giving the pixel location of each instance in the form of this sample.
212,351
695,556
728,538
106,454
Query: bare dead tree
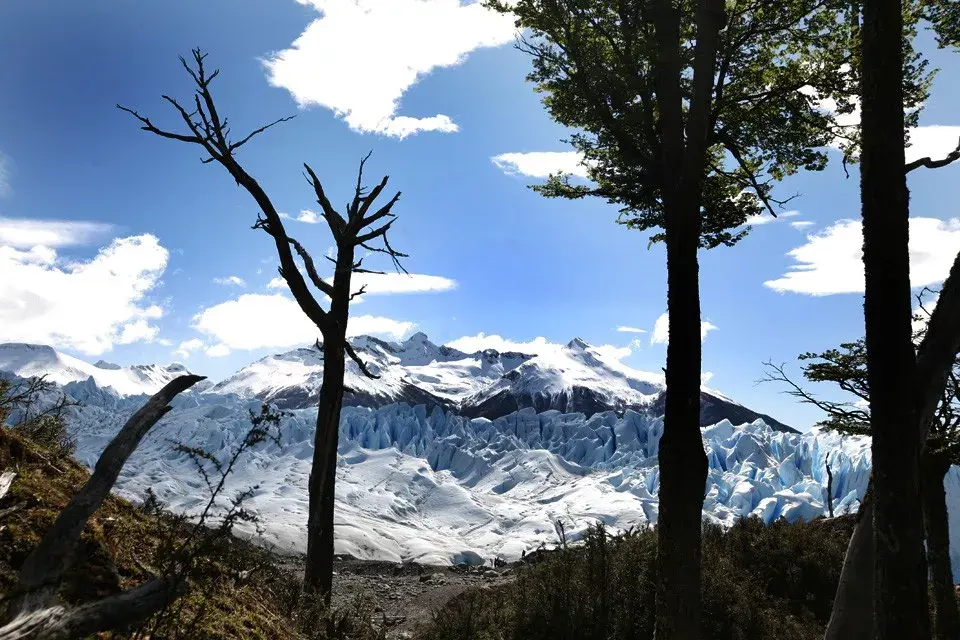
31,610
359,227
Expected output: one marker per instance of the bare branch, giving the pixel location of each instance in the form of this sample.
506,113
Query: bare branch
929,163
363,367
239,144
334,220
318,282
363,289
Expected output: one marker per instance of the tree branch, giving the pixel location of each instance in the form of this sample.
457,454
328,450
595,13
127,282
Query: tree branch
318,282
929,163
363,367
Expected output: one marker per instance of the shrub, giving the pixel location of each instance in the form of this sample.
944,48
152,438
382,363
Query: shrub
759,582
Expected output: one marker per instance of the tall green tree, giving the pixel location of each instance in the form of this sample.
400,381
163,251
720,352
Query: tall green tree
359,226
686,113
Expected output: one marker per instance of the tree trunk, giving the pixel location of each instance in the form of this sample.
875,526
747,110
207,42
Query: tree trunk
318,574
900,575
935,357
318,577
683,463
947,618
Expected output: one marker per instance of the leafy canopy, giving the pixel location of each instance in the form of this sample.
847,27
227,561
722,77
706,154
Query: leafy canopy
779,62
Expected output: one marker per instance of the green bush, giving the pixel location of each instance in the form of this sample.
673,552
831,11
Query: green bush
764,582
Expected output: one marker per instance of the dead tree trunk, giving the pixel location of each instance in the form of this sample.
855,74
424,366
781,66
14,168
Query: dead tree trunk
41,570
29,610
357,227
947,618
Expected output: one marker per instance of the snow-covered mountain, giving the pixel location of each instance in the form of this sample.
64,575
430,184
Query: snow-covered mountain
575,378
27,360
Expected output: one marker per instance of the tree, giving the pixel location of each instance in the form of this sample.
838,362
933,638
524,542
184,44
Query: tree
853,613
360,227
847,368
686,114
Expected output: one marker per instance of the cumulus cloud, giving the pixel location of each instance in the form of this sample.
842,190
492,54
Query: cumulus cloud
84,305
624,329
661,329
26,233
831,261
541,164
802,224
361,56
188,346
255,321
230,281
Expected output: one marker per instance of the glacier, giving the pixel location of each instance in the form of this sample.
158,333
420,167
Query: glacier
434,487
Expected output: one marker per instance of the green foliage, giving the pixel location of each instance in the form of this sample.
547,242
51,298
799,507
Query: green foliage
761,582
944,18
595,62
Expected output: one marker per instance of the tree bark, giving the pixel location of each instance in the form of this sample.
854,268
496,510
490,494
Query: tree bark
947,616
899,601
318,573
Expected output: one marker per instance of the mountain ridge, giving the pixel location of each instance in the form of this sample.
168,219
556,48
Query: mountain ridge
572,378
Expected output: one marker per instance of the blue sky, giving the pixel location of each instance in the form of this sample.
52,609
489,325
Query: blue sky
111,239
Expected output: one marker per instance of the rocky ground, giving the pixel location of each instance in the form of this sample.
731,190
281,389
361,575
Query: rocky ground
406,594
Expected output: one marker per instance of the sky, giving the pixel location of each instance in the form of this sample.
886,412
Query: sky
119,245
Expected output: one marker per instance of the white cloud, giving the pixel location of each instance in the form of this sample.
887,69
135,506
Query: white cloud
705,377
24,233
84,305
766,218
482,341
230,281
218,351
255,321
802,224
624,329
185,347
933,141
310,217
831,262
540,164
661,329
361,56
385,283
537,346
